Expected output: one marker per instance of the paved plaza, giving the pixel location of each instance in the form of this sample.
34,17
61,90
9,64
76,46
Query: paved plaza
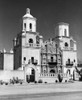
56,91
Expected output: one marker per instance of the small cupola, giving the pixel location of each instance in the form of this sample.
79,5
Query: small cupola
62,29
29,22
27,15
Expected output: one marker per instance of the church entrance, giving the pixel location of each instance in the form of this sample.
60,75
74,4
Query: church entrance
31,77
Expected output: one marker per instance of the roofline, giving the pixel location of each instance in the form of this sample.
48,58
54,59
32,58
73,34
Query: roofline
62,23
29,18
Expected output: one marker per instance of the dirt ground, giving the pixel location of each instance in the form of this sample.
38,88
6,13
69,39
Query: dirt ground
32,91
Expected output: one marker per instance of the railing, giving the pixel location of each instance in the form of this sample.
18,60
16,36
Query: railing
69,64
52,75
32,45
68,48
35,62
48,75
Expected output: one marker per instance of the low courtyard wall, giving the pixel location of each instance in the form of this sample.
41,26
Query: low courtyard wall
7,75
47,77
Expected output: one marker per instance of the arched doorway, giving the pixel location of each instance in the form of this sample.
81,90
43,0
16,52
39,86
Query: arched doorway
30,76
68,72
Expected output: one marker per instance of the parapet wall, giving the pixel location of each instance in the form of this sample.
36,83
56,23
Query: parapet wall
7,75
51,78
48,78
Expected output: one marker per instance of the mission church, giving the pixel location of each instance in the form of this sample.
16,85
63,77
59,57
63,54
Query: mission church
33,59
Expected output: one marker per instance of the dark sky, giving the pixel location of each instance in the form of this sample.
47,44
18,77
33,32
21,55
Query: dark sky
48,14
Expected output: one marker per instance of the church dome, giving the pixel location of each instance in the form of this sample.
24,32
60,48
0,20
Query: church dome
28,14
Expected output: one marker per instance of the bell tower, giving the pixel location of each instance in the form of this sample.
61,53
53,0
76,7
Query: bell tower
62,35
67,45
29,22
62,30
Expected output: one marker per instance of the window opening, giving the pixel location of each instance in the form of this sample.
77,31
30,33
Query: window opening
30,40
30,26
25,26
68,61
32,60
51,59
65,32
66,44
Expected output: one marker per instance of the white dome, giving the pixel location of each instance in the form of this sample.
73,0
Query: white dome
28,14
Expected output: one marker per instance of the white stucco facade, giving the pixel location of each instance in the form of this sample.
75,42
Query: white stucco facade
34,59
68,47
8,61
30,52
69,54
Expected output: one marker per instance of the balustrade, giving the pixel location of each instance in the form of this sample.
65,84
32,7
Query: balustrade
35,62
69,63
32,45
48,75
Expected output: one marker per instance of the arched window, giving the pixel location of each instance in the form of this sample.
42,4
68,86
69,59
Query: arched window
24,58
52,71
66,44
30,26
37,39
65,32
68,61
32,60
24,26
71,43
51,59
30,40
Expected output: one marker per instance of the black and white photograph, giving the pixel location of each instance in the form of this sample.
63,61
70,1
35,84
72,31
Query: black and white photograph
40,49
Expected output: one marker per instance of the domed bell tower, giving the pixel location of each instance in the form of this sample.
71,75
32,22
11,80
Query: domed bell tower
29,22
62,30
62,34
